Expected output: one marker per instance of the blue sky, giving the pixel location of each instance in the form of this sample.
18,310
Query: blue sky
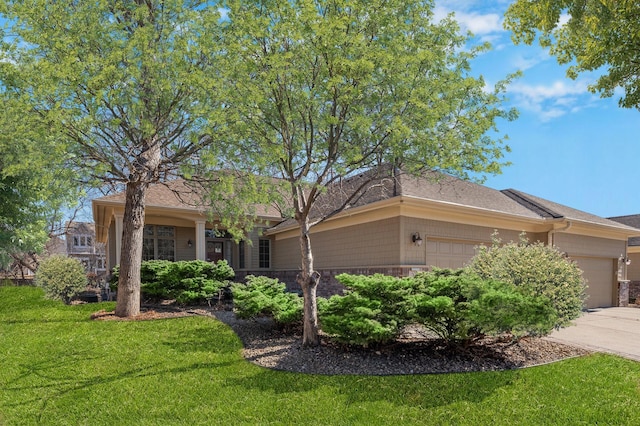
568,145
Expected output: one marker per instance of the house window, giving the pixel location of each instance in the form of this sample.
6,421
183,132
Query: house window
82,241
86,263
100,263
159,243
241,255
264,253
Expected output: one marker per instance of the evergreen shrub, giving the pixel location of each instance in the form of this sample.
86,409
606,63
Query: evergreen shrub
263,296
460,307
187,282
61,277
373,311
456,306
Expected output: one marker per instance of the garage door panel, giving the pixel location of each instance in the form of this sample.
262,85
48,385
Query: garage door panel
446,254
599,275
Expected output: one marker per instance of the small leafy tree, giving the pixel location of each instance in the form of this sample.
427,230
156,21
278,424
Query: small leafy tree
263,296
61,277
536,270
317,91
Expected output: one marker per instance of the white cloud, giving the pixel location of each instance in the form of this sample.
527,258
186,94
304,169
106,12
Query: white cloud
550,101
523,62
479,24
564,18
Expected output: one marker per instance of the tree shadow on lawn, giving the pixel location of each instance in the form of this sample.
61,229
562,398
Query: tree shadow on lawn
57,376
416,391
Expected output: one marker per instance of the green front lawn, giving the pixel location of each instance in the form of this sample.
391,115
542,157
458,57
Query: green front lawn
59,367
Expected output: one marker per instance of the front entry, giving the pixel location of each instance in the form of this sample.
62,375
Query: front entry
215,251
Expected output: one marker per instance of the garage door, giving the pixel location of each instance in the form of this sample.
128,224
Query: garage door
599,275
449,254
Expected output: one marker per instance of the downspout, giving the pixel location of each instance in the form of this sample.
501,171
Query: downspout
551,233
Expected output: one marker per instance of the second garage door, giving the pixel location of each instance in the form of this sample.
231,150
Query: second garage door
599,274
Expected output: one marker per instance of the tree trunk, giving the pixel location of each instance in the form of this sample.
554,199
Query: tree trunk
128,300
308,280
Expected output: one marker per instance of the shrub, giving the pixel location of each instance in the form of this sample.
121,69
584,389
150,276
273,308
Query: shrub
61,277
373,310
185,281
536,270
459,307
455,305
263,296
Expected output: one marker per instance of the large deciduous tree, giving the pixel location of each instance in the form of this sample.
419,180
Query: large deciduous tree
319,90
589,35
127,82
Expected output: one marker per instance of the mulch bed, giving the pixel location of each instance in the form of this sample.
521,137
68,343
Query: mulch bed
414,353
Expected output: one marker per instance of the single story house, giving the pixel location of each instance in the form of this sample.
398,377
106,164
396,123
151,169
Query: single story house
400,225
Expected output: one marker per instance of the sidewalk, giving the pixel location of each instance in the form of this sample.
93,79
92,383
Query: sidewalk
612,330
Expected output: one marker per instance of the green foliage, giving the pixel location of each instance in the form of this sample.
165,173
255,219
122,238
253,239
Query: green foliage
459,306
315,91
536,270
373,311
61,277
263,296
456,306
35,181
185,281
130,87
599,34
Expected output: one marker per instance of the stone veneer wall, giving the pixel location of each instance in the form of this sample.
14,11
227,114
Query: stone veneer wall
634,291
328,284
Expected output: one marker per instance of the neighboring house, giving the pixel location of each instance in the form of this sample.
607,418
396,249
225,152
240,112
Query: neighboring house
633,255
22,270
82,245
400,226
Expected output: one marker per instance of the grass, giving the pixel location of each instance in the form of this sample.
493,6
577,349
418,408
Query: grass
59,367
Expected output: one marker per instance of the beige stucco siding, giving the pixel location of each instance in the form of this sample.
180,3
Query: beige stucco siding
633,270
183,235
375,243
449,245
581,245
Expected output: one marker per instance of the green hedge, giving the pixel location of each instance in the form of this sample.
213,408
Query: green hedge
262,296
455,305
185,281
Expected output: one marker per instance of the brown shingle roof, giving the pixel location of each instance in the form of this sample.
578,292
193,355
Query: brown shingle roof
179,194
632,220
443,188
571,213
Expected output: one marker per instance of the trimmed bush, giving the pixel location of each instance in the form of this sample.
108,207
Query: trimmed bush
263,296
460,307
185,281
373,311
536,270
61,277
456,306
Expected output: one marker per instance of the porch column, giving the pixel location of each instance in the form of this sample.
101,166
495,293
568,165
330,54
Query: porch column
119,218
200,240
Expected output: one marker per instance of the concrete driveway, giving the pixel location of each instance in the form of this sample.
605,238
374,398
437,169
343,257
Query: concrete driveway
612,330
